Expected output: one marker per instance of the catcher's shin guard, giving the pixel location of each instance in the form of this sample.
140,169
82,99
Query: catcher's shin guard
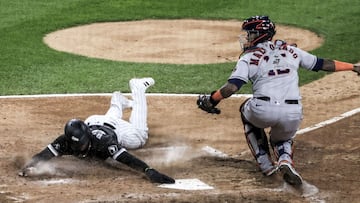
258,144
284,151
284,154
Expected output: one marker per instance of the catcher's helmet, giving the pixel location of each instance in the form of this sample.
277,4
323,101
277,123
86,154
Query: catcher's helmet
78,135
259,29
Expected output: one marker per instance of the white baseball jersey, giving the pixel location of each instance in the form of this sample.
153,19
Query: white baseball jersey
272,68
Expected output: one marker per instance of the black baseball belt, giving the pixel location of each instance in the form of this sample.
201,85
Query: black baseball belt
109,126
287,101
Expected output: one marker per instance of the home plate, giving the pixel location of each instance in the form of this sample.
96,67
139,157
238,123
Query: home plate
188,184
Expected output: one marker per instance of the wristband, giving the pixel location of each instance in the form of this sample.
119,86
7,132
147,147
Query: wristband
216,96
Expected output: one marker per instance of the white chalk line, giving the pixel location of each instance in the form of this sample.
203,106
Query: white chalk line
328,122
106,94
214,152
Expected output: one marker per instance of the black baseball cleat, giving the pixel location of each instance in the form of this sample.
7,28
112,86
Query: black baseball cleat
289,174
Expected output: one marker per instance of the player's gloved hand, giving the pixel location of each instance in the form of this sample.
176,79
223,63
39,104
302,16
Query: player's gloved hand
357,68
206,103
26,171
157,177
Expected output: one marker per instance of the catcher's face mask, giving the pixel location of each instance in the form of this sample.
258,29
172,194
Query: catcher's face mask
259,29
247,39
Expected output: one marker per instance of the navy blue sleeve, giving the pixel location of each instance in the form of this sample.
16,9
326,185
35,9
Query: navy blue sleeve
318,65
239,83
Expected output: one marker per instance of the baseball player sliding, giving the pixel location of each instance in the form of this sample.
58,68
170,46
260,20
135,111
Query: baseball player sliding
272,68
104,136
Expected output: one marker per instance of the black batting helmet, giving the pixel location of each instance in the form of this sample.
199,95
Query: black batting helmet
78,135
262,28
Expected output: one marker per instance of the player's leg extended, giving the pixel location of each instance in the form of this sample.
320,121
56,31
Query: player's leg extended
113,114
128,136
138,117
116,105
259,146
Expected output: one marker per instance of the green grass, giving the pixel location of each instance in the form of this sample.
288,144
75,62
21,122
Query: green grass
28,66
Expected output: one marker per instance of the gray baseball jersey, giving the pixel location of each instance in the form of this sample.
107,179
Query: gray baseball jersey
272,68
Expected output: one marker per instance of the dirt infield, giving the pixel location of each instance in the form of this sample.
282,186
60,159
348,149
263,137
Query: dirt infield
328,158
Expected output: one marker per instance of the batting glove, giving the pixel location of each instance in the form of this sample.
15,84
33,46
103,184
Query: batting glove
157,177
27,171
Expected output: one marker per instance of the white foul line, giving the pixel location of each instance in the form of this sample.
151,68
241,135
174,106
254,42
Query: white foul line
106,94
327,122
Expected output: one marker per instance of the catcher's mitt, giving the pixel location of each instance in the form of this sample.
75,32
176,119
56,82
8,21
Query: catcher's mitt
205,103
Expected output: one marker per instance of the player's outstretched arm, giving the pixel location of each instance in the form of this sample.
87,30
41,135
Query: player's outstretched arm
139,165
334,65
46,154
29,168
